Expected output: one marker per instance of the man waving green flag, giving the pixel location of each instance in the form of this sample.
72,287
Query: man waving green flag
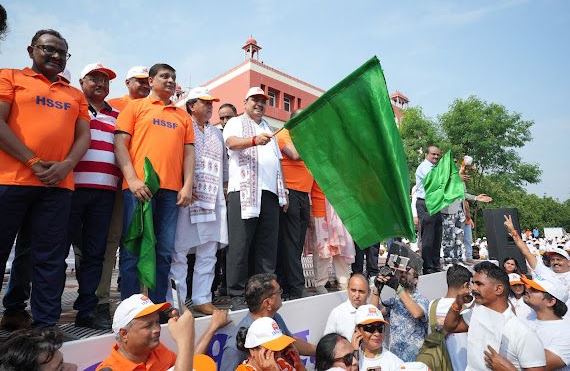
443,185
349,140
140,239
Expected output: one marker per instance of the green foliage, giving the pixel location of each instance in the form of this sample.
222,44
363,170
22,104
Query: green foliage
490,134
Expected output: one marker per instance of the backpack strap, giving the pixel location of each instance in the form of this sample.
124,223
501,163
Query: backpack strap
432,314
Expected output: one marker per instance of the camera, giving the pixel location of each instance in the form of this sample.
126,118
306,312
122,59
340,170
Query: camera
400,258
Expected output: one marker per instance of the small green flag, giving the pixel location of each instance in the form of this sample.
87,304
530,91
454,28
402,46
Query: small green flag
349,140
443,185
140,239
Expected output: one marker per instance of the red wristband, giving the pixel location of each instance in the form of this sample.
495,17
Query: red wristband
253,142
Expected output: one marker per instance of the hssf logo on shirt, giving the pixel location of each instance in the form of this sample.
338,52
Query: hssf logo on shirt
166,124
52,103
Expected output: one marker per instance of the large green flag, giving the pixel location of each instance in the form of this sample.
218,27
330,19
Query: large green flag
349,140
140,239
443,185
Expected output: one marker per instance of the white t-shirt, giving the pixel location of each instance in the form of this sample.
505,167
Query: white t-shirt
342,320
522,310
268,157
555,335
385,361
456,343
518,342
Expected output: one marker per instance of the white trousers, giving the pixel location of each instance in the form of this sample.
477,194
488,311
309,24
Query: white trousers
321,268
203,274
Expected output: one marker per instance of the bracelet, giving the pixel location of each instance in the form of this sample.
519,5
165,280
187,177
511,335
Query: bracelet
31,162
456,308
253,141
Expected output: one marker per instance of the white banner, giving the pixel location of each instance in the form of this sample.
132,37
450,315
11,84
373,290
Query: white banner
305,318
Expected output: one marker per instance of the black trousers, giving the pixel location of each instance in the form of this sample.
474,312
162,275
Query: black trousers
431,228
371,260
252,242
292,230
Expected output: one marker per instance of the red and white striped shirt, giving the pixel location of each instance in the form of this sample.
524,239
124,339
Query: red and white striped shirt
98,167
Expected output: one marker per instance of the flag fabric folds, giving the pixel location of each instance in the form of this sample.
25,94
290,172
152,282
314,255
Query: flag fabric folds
140,239
349,140
443,185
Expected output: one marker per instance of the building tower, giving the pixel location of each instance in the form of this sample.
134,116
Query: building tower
251,49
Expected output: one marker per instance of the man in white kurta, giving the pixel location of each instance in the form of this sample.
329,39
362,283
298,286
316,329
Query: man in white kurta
202,227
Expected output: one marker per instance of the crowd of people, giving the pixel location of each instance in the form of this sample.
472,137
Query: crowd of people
98,174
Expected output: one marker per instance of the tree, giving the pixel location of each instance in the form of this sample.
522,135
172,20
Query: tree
490,134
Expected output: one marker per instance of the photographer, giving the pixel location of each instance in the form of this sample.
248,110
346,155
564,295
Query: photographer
406,310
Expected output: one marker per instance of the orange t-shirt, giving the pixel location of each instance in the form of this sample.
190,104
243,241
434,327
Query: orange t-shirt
161,358
318,207
43,116
120,103
158,132
296,174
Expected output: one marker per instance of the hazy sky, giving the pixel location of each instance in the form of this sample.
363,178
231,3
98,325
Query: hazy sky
511,52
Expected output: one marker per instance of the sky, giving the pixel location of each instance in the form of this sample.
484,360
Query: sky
511,52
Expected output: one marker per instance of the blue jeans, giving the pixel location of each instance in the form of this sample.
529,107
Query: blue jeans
44,215
89,222
468,241
165,214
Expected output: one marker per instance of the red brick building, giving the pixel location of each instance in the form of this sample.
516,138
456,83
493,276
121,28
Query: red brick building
286,93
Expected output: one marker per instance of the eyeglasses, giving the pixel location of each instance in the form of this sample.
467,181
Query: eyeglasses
370,328
97,80
280,292
347,358
46,49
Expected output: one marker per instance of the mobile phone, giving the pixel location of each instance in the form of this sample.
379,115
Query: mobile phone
176,297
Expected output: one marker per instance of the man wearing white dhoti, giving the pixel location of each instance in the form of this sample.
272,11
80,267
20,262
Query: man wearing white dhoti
202,227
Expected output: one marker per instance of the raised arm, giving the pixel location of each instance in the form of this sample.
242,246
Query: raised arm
523,248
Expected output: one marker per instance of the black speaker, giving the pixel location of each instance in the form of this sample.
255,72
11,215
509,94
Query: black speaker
499,243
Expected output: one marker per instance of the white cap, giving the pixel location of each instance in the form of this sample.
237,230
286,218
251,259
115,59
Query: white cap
548,283
136,306
515,279
198,92
467,160
139,72
368,313
98,67
66,75
265,331
256,90
567,245
559,251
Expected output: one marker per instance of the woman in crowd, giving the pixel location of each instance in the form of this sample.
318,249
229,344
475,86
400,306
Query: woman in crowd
516,294
510,265
267,347
334,352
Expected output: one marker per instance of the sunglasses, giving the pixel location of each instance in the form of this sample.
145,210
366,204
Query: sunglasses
347,358
370,328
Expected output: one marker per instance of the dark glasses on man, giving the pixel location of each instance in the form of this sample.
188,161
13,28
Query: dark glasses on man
370,328
347,358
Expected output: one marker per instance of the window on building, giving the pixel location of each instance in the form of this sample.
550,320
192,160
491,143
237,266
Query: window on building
272,97
298,103
287,103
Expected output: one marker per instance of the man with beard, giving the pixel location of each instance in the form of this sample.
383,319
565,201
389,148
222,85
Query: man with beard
369,338
202,227
255,193
407,313
342,317
137,331
36,181
559,258
154,128
491,321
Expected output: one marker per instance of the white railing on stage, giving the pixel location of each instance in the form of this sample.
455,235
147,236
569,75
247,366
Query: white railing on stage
306,318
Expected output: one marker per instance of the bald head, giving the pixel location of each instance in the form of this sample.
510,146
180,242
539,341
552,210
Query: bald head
358,290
